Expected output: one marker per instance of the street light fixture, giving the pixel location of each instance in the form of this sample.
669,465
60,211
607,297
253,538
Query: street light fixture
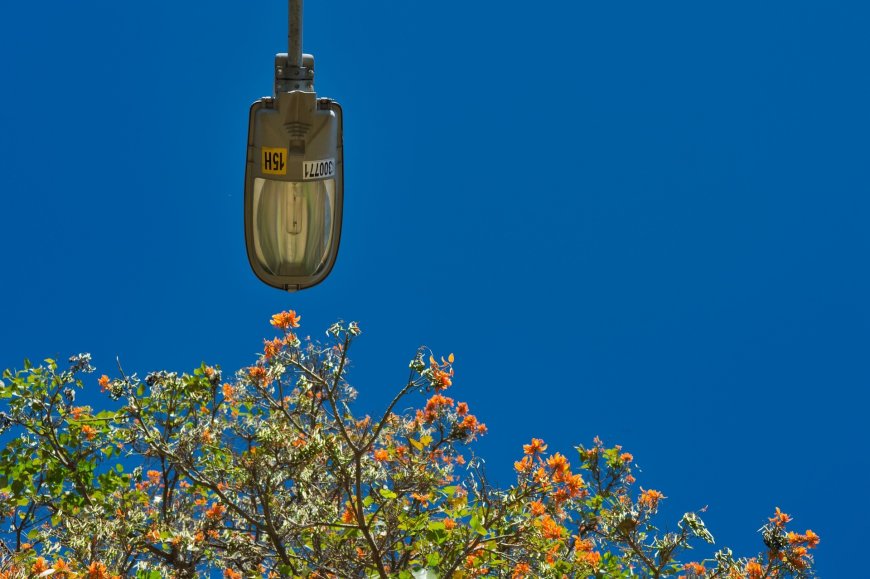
294,181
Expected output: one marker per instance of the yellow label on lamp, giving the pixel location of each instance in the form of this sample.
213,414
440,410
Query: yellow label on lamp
273,161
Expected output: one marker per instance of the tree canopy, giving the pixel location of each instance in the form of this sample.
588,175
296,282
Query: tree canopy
269,473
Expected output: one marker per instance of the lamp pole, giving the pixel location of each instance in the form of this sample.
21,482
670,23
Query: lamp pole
294,34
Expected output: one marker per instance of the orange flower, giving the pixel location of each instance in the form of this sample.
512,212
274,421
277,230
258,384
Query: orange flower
424,499
694,568
444,380
537,508
256,373
812,539
39,566
103,382
229,393
216,511
558,463
434,405
551,554
348,516
89,431
154,476
271,348
449,524
381,455
754,570
230,574
626,457
462,409
780,518
650,498
285,320
797,554
591,558
470,422
440,378
550,529
153,535
524,465
535,447
575,483
521,571
560,496
97,570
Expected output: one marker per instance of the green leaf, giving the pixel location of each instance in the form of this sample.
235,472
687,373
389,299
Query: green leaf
388,494
475,524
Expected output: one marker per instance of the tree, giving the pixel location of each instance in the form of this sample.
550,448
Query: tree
271,474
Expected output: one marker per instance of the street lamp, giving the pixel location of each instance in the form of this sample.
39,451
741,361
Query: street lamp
294,186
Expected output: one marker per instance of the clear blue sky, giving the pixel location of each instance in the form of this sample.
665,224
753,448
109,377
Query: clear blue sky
644,221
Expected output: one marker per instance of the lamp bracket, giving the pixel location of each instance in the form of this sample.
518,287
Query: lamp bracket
289,77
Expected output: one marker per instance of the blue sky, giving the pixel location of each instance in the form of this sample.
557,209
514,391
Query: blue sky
644,221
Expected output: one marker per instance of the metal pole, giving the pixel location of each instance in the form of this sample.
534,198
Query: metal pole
294,34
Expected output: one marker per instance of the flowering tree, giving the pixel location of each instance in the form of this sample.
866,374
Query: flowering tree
270,474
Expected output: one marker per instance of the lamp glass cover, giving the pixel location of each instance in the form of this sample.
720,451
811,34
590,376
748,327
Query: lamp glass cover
293,225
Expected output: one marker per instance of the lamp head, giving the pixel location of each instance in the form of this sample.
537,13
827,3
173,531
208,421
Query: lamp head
294,186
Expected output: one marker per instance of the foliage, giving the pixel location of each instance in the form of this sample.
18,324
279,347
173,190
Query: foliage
270,474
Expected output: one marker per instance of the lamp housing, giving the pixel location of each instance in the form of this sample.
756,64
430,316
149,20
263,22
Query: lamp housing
294,180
